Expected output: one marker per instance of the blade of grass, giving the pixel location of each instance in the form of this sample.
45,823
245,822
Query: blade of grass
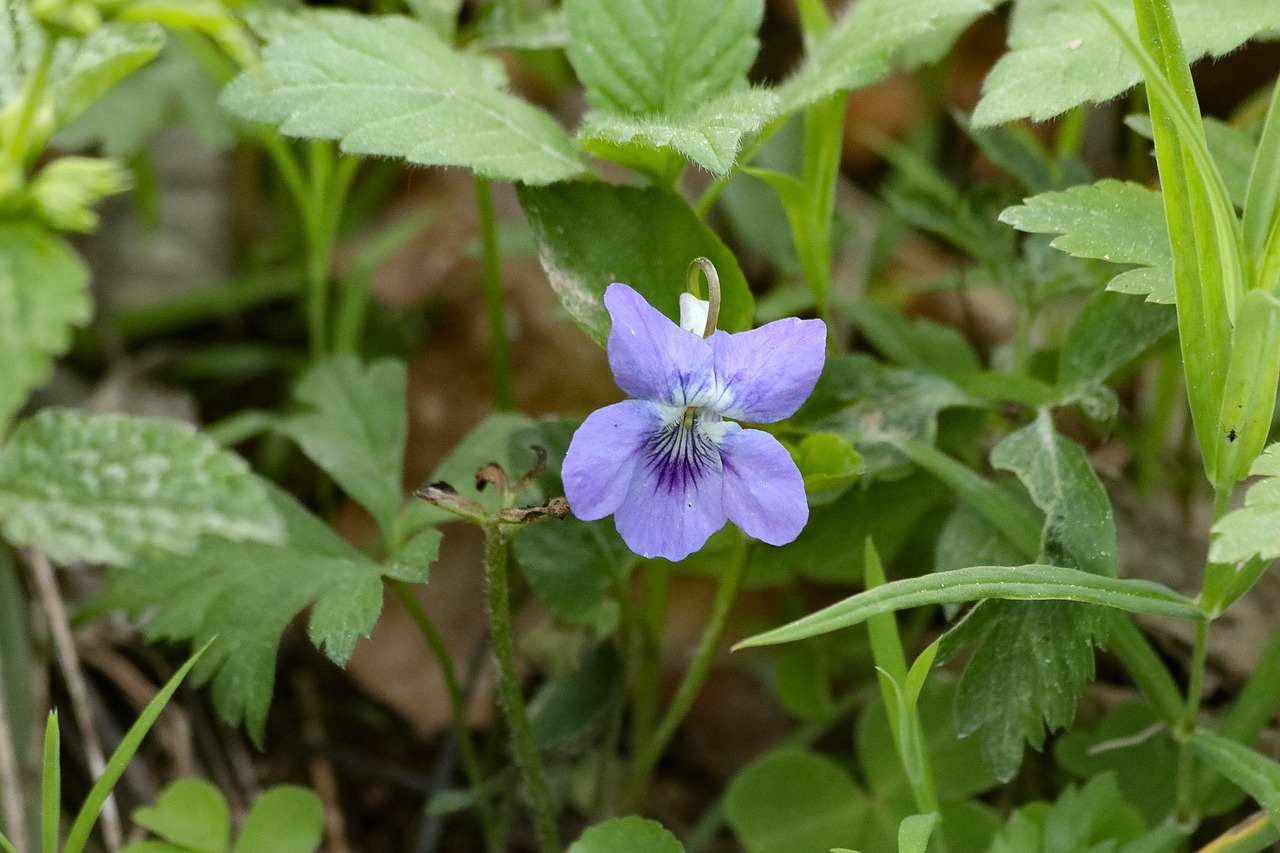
1262,201
88,814
51,786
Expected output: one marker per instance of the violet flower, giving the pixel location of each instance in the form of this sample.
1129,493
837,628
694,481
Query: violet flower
666,463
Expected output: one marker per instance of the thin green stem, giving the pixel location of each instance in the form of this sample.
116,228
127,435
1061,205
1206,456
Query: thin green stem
696,675
644,697
1146,669
19,148
1186,787
494,301
457,707
523,741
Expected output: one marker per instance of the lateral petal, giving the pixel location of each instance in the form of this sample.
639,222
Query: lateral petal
763,490
603,454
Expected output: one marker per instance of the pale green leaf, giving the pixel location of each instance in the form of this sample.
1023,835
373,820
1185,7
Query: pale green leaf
43,294
1018,583
791,801
630,834
1089,819
653,235
1069,56
572,564
191,813
1110,332
1253,529
353,426
285,819
245,594
104,488
865,44
1110,220
1079,530
1249,393
709,134
914,832
389,86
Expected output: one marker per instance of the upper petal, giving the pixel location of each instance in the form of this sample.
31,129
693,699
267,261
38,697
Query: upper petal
673,503
763,490
768,372
603,454
651,357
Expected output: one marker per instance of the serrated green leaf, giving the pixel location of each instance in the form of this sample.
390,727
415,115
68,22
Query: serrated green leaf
413,562
190,813
791,801
1069,56
644,57
104,488
43,294
864,45
245,594
353,426
1257,774
1110,220
1090,819
87,69
653,235
571,564
1079,529
389,86
1030,583
285,819
709,135
1253,529
630,834
1025,674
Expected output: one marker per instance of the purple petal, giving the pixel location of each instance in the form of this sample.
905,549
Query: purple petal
673,503
768,372
602,457
763,489
651,357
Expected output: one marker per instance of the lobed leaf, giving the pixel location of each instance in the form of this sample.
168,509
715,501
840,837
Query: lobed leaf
245,594
106,488
1253,529
1110,220
190,813
1069,56
653,235
43,294
630,834
354,427
389,86
793,801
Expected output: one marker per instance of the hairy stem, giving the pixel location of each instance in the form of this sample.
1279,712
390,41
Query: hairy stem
651,752
494,302
60,627
523,742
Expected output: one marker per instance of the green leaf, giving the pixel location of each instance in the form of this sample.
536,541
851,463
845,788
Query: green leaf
630,834
1261,223
913,834
670,74
653,235
1091,819
1249,394
870,39
1111,331
43,293
190,813
1110,220
1079,529
389,86
919,344
1016,583
1253,529
571,564
285,819
51,784
827,461
245,594
709,135
565,710
85,70
353,426
1131,742
1069,56
792,801
104,488
1253,772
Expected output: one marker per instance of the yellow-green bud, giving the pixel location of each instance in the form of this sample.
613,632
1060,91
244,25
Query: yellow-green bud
65,190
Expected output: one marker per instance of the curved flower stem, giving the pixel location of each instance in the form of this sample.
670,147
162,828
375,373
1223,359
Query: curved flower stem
496,540
494,306
649,755
458,707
